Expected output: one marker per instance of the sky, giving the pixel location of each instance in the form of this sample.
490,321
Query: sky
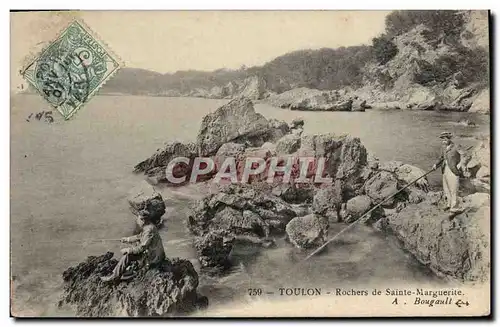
168,41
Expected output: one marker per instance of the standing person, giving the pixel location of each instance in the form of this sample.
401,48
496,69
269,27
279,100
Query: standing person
449,161
149,250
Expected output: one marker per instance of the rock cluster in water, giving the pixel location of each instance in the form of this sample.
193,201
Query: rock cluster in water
315,100
303,212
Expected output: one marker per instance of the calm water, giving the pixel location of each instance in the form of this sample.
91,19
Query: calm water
69,182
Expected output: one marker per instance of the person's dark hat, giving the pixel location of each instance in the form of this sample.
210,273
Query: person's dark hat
445,135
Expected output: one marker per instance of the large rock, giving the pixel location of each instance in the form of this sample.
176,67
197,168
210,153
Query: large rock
236,122
323,102
254,87
405,173
345,105
243,213
316,100
145,197
380,186
230,89
481,103
359,104
307,232
287,98
355,208
238,222
228,150
293,192
271,147
167,290
456,246
154,167
462,102
297,123
327,202
277,129
240,210
163,156
217,92
345,158
480,158
288,144
213,249
477,167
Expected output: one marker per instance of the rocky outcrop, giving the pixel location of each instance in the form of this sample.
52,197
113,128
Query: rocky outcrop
359,104
199,93
316,100
288,144
384,179
355,208
481,103
307,232
167,290
431,71
163,156
155,166
454,246
381,186
145,197
302,193
213,249
405,173
304,210
254,87
327,202
277,129
381,180
322,102
297,123
477,165
345,158
240,210
228,131
242,213
236,122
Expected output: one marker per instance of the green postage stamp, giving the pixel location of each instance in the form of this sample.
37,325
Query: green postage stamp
71,69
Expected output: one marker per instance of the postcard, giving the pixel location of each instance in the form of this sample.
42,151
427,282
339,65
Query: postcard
250,164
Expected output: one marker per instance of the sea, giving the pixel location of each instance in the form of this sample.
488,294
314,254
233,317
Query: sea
70,180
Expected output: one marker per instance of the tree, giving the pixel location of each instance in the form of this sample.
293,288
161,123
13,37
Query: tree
384,49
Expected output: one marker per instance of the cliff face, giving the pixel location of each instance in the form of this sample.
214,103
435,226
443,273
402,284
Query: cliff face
433,65
432,70
425,60
435,61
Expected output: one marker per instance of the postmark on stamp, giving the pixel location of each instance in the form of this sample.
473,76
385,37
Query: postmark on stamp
71,69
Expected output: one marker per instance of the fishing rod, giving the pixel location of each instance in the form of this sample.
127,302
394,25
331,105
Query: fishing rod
370,211
361,219
88,241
